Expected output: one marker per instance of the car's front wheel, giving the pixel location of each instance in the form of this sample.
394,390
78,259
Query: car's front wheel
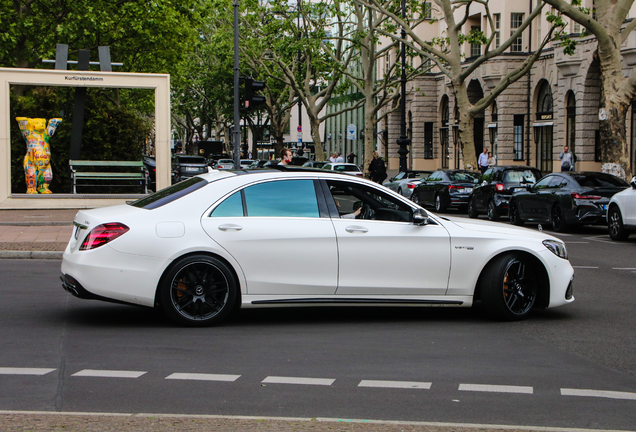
198,290
509,287
415,198
515,219
615,225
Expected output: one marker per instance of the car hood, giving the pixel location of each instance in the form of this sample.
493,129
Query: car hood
497,228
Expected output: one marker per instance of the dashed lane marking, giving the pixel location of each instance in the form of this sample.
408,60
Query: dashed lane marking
495,388
24,371
298,380
575,242
108,373
598,393
202,377
395,384
624,268
585,267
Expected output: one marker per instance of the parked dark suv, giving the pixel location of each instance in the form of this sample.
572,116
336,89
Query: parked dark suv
496,186
184,167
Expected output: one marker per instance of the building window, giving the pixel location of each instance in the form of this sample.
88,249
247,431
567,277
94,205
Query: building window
518,136
571,121
475,48
428,140
427,10
516,19
497,18
576,27
443,132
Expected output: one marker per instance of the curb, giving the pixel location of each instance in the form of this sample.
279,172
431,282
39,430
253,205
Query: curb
52,255
36,223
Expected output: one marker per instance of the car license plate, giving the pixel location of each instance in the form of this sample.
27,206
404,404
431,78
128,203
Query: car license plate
192,169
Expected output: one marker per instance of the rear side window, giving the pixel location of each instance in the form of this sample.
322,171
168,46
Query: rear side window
169,194
231,207
283,198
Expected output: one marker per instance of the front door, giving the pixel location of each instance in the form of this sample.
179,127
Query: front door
384,253
544,152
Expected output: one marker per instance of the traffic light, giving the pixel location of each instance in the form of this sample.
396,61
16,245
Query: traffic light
252,98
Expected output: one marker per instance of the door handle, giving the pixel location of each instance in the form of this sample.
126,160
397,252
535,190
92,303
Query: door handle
230,227
353,229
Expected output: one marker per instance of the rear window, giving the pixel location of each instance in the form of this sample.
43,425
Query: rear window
346,168
599,180
521,176
192,160
462,177
169,194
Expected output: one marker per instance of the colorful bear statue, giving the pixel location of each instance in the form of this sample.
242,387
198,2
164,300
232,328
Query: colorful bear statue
37,161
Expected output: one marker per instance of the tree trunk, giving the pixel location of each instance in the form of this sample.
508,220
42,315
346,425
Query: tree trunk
369,123
466,128
315,136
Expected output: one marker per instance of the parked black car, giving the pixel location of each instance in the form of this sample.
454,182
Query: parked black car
565,199
445,188
184,167
496,187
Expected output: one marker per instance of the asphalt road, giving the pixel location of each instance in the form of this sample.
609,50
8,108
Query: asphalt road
571,367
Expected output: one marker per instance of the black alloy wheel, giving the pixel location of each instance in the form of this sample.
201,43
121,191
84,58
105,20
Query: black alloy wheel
615,224
471,209
509,287
198,291
415,197
558,219
513,213
493,213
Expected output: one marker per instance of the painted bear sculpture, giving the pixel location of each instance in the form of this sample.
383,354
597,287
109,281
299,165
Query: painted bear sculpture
37,161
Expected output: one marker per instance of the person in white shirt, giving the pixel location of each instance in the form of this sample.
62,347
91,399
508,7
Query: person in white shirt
340,158
482,161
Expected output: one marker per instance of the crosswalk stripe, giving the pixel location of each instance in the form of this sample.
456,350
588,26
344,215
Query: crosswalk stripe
496,388
298,380
598,393
108,373
395,384
202,377
24,371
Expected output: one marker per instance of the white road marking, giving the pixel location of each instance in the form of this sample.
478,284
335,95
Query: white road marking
202,377
623,268
108,373
585,267
24,371
495,388
298,380
598,393
575,242
395,384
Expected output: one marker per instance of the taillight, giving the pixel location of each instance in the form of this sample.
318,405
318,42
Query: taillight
499,187
411,185
453,187
102,234
586,197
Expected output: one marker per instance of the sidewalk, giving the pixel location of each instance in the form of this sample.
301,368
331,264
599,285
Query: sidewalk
38,234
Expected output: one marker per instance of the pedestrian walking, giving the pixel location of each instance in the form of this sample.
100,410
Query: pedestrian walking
482,161
567,159
377,168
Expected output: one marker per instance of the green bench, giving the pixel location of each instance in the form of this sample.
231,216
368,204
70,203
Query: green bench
109,173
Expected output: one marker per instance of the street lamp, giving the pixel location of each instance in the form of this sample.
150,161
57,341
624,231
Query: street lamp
403,141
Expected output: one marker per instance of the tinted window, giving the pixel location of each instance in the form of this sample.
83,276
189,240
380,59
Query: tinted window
462,177
284,198
191,159
231,207
169,194
599,180
520,176
488,176
435,177
351,196
346,168
543,183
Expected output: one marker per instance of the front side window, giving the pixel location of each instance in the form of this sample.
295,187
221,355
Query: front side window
349,197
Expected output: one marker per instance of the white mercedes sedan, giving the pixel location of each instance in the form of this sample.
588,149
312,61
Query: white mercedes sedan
297,237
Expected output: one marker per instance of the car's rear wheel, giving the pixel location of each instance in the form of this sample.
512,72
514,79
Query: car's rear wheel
515,219
558,219
493,213
399,191
415,198
509,287
615,224
198,290
439,207
471,209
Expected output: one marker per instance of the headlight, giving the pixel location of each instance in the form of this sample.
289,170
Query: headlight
557,248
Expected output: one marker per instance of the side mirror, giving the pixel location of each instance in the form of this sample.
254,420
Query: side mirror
633,182
420,217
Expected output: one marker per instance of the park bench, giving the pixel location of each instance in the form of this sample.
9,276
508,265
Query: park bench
109,173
